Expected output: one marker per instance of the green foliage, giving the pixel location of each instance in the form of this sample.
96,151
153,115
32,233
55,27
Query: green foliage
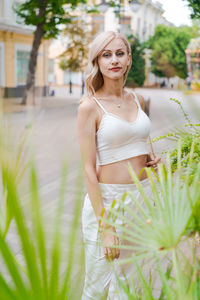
75,57
11,157
197,84
168,46
195,7
189,142
46,13
136,74
49,269
190,137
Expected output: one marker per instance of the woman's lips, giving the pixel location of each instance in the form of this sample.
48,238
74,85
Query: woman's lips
115,69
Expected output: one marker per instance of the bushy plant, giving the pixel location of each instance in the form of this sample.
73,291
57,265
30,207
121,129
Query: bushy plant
12,156
136,75
190,136
50,269
168,45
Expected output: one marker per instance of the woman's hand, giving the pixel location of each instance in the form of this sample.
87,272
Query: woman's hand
153,160
108,239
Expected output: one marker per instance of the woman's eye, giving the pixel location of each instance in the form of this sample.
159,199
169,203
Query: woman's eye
106,55
109,54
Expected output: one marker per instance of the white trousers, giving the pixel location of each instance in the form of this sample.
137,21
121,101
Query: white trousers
100,275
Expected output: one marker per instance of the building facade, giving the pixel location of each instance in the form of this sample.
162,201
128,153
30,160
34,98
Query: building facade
141,23
15,46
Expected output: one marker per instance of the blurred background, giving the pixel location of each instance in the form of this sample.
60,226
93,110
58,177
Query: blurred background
43,54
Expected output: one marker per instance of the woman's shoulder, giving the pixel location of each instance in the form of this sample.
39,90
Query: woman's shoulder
86,105
140,98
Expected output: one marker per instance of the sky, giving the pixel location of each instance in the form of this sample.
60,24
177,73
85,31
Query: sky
176,11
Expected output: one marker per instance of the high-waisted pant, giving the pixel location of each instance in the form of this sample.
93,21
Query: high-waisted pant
100,278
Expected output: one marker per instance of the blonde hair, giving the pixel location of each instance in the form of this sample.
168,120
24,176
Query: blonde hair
93,76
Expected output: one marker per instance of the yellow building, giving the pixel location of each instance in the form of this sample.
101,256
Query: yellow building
15,46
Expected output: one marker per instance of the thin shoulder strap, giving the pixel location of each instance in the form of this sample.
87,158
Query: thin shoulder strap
99,104
136,99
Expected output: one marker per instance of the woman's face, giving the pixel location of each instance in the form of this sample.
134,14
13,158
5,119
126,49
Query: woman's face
114,59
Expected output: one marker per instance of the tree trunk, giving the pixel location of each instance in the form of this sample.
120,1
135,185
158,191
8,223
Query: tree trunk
28,97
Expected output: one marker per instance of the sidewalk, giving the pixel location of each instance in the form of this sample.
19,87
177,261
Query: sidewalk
60,99
12,105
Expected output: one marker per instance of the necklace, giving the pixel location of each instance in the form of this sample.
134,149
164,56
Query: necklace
119,104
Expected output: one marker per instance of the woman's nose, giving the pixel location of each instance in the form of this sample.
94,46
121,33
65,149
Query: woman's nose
114,58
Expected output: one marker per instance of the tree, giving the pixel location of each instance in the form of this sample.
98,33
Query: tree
168,46
46,16
75,57
136,74
195,6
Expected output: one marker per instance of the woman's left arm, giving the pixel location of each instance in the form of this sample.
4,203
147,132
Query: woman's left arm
152,160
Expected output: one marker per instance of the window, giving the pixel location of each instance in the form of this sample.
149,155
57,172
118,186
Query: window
22,66
125,25
51,70
51,65
74,76
66,77
150,30
0,64
98,23
1,8
2,69
144,31
138,26
17,18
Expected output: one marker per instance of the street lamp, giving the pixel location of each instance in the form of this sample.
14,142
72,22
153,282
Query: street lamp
103,6
134,4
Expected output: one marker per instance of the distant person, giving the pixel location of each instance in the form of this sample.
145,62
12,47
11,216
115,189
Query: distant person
70,86
52,93
188,83
82,86
114,129
163,84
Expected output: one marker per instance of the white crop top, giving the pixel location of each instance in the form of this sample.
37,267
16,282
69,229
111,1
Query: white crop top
118,139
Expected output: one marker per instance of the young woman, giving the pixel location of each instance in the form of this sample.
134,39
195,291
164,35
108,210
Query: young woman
113,131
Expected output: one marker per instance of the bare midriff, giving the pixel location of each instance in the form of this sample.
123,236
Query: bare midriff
117,172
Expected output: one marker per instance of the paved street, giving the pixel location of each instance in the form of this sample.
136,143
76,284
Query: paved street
54,137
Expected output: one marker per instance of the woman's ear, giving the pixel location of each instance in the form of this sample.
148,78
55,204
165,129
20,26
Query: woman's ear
129,60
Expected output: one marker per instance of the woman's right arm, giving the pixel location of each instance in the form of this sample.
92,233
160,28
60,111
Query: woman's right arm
87,116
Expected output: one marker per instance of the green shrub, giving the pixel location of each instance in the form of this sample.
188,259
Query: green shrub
190,137
49,270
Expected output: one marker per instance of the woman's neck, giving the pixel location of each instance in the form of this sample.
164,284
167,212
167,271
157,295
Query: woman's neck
112,89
